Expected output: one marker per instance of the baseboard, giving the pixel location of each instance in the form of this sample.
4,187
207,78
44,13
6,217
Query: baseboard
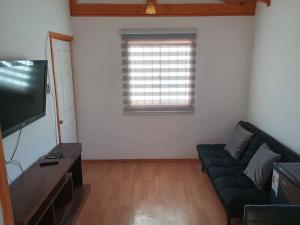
139,160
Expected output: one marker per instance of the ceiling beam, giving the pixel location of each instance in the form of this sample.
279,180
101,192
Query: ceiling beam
243,8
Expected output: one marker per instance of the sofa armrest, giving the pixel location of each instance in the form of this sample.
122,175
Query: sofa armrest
272,214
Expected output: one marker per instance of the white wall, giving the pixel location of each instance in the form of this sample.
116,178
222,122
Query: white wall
224,61
274,102
23,29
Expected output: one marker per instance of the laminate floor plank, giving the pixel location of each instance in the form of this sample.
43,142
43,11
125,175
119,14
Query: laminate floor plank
149,193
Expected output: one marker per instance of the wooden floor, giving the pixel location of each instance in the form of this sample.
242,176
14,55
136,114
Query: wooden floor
149,193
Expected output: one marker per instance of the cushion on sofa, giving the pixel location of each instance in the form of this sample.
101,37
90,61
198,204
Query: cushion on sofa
251,149
260,166
238,141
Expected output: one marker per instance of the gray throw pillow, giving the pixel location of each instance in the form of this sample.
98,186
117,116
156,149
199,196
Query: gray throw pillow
238,142
260,166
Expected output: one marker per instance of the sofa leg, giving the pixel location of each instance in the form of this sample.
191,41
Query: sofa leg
228,220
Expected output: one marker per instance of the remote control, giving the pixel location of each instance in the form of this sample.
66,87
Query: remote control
48,162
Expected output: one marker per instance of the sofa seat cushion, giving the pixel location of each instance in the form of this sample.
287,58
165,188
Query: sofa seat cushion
235,189
215,155
225,161
235,199
206,147
215,151
233,171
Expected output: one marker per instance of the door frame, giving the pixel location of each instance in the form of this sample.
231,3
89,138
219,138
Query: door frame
5,199
67,38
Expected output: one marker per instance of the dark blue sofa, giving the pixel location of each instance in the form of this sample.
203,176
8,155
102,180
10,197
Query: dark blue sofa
235,189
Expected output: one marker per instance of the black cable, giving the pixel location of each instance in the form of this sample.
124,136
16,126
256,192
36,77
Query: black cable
11,160
16,163
17,145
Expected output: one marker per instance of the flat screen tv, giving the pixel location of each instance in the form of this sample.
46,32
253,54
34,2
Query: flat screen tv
22,93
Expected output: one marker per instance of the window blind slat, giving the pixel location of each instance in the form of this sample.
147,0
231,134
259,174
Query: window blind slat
153,104
158,78
161,63
161,54
160,93
159,72
147,86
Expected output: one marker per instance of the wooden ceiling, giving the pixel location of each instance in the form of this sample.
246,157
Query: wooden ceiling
203,8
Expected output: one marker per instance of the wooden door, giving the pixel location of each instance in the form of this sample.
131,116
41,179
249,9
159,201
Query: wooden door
63,77
6,214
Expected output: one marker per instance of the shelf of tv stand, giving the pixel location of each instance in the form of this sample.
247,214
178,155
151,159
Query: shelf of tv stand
50,195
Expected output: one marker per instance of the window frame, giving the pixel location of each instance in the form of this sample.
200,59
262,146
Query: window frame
160,34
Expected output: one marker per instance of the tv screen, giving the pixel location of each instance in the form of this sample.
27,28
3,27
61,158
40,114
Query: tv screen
22,93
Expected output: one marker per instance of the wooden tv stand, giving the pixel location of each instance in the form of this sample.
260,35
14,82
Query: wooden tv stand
50,195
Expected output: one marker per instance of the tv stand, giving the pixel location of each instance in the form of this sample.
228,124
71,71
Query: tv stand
50,195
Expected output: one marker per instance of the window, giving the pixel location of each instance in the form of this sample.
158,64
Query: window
159,70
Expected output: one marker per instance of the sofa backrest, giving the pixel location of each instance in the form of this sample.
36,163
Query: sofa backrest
260,137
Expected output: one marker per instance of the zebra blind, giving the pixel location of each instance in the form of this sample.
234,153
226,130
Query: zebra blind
159,71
